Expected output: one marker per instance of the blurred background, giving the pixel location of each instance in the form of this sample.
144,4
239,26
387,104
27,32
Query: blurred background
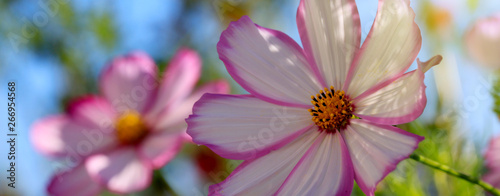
55,50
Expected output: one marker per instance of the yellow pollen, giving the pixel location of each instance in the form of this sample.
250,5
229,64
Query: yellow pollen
331,109
130,128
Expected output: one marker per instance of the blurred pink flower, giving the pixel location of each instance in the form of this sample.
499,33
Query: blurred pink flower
483,41
492,161
116,140
287,153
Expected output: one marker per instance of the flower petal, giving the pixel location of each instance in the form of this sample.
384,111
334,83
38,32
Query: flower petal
425,66
396,102
93,111
174,117
121,171
493,178
267,63
75,182
483,40
244,127
325,169
492,155
264,175
179,80
376,150
129,82
330,32
160,148
389,49
60,136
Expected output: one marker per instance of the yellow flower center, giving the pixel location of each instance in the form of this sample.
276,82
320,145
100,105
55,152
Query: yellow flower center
332,109
436,18
130,128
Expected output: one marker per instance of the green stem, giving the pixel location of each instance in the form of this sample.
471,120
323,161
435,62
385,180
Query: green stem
450,171
164,184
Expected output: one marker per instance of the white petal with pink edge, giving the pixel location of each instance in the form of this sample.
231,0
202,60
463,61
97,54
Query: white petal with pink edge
59,136
173,118
389,49
330,32
121,170
161,147
376,150
179,80
325,169
75,182
267,63
129,82
93,111
244,127
263,176
396,102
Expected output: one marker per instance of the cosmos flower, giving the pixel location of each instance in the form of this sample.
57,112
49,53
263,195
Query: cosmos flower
492,160
438,18
483,41
115,140
321,117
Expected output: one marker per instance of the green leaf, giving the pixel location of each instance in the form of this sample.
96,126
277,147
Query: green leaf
104,29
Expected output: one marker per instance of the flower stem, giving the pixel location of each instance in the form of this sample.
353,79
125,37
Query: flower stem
450,171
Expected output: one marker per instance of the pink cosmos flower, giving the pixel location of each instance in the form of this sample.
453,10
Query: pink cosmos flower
483,41
115,140
296,130
492,161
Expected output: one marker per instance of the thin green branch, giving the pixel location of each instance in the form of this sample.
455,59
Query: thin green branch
450,171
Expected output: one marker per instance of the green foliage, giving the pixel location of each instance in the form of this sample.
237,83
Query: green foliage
104,29
443,144
495,92
67,17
